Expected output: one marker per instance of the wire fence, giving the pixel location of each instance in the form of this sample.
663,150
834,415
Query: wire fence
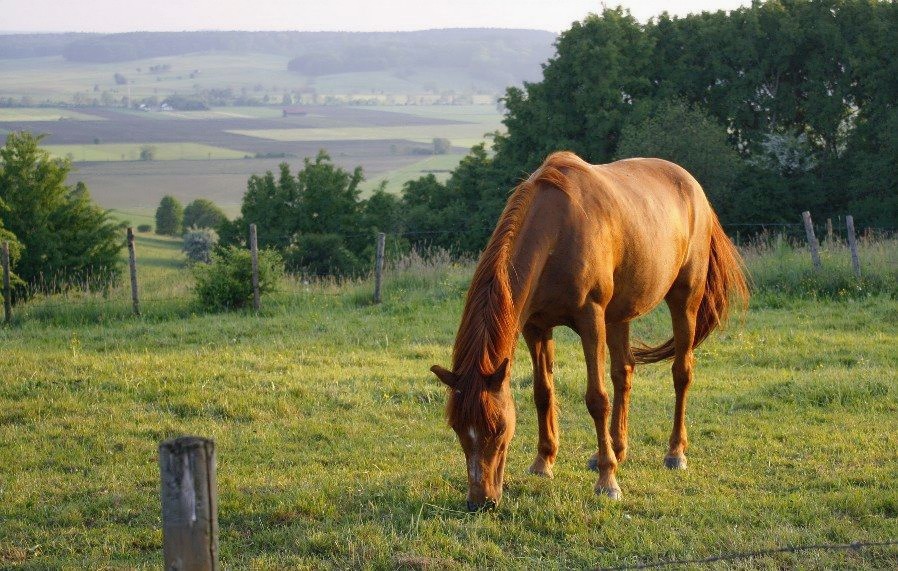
751,237
854,546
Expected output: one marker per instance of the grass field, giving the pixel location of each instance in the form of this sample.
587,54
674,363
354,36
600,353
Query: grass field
110,152
465,135
437,165
44,114
333,452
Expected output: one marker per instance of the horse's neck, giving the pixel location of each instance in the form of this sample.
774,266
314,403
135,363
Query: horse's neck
526,264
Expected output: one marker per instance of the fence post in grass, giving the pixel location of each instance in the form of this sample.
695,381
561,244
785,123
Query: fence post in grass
254,252
852,245
132,265
379,266
189,504
829,231
7,290
812,240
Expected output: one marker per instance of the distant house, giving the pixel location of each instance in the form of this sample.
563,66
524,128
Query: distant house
294,111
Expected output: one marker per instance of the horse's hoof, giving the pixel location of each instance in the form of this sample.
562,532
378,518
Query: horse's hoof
611,493
539,468
675,462
593,463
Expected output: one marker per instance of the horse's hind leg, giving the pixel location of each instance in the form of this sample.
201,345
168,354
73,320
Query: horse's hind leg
542,351
683,303
622,367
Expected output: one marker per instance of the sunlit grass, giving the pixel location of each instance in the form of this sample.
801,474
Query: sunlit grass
132,152
333,452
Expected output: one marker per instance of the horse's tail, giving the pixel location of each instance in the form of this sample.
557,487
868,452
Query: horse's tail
725,283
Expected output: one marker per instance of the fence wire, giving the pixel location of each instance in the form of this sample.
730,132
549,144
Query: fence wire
855,546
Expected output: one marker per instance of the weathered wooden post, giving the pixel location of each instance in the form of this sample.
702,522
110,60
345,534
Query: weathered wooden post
189,504
829,231
132,264
852,245
7,290
812,239
254,252
379,266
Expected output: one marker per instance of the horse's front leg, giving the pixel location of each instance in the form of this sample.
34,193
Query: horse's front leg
542,352
591,328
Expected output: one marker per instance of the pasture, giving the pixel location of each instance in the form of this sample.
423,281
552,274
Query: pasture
333,452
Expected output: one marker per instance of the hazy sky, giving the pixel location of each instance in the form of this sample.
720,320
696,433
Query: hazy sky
352,15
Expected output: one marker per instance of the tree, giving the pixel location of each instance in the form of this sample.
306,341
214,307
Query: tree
147,152
65,238
203,213
441,146
169,217
687,136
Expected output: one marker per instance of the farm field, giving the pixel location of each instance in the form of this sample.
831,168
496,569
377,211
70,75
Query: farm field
196,152
333,453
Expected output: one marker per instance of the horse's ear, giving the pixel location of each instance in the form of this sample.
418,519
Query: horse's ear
494,381
448,377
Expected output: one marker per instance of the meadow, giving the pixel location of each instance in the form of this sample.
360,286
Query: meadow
333,452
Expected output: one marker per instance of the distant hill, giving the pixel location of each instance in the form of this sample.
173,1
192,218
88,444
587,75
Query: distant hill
504,56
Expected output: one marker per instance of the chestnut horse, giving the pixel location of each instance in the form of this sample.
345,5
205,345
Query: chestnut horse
590,247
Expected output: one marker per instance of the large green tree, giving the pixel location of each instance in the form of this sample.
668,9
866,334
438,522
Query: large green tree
203,213
64,236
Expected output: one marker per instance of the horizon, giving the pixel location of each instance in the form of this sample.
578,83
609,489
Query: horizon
48,17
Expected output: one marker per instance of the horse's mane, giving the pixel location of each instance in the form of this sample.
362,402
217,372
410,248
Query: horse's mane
488,329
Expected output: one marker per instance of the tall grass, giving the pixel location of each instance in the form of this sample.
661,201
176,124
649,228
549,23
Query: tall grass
780,267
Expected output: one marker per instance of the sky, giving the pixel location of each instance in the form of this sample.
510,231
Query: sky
319,15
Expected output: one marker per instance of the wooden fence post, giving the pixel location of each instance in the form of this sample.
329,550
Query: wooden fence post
254,252
379,266
7,290
852,245
189,504
812,240
132,264
829,230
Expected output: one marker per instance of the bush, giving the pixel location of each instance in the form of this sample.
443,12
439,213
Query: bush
145,228
203,213
227,282
169,216
199,243
322,255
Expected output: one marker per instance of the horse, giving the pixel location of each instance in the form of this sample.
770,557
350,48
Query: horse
590,247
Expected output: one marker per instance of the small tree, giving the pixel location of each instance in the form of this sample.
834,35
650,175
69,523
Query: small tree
441,146
227,282
147,152
203,213
199,243
169,217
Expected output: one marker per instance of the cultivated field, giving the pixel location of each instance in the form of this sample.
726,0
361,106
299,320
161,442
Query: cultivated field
333,452
209,153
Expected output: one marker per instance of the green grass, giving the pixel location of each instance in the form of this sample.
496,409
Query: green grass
333,453
464,135
107,152
438,165
44,114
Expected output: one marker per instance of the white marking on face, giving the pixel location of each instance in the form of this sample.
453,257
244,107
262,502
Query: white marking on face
473,463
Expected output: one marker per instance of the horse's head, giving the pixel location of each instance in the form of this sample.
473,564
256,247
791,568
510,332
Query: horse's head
481,411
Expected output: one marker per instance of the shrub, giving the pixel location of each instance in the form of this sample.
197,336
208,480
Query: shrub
198,244
322,255
169,216
145,228
203,213
227,281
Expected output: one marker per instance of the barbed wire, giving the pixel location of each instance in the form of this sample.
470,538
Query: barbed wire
856,545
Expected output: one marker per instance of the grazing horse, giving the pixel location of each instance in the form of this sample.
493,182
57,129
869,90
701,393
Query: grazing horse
590,247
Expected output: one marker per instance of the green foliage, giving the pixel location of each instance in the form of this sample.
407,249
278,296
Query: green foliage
226,283
144,228
315,217
776,107
169,217
203,213
441,146
59,235
688,137
147,152
199,243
